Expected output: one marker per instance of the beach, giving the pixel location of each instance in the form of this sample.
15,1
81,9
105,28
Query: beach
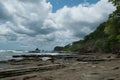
59,39
104,67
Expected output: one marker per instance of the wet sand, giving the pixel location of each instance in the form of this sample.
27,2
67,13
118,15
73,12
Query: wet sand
70,69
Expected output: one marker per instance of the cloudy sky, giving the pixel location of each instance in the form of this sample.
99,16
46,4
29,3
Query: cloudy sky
27,24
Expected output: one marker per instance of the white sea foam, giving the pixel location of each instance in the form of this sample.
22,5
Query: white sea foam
11,51
7,54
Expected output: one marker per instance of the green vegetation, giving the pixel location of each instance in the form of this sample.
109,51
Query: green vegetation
106,38
95,41
58,48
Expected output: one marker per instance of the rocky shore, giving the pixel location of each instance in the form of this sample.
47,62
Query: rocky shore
101,67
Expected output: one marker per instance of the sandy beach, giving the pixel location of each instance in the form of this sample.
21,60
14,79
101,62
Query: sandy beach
60,69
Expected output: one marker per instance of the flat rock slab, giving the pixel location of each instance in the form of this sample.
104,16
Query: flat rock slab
98,76
16,72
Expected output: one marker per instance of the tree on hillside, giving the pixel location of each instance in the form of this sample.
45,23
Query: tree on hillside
115,2
113,28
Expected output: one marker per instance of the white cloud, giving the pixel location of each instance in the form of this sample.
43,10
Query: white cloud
31,22
25,17
80,20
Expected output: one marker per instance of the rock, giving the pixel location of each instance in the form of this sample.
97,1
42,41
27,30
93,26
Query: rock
93,66
111,79
116,68
12,79
29,77
22,71
92,76
47,78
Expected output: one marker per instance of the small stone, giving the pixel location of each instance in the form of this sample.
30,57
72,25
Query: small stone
94,66
116,68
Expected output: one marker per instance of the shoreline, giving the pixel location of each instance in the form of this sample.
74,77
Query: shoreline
33,68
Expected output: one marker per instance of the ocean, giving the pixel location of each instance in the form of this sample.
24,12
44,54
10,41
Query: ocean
7,54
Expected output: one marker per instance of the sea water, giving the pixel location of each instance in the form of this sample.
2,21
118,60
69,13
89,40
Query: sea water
7,54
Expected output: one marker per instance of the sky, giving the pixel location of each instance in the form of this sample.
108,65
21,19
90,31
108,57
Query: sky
57,4
28,24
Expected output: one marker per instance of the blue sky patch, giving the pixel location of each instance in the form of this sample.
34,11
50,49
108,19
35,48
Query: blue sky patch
57,4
